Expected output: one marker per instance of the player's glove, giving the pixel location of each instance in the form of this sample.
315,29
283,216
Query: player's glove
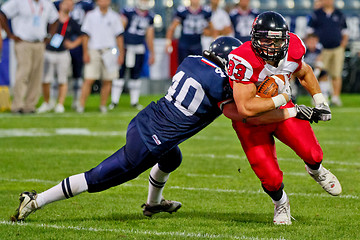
284,86
305,113
322,112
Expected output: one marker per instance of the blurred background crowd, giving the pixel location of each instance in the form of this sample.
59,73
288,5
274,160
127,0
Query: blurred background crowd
74,48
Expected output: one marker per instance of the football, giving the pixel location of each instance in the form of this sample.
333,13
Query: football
269,88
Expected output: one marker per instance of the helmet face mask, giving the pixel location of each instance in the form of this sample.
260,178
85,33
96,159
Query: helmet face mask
219,50
270,36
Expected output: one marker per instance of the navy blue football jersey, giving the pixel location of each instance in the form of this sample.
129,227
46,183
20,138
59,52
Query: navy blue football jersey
242,23
80,9
190,104
193,24
138,23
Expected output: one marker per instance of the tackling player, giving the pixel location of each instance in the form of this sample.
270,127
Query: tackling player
195,99
273,50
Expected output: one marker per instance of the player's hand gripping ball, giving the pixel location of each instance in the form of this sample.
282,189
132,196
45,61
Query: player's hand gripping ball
269,87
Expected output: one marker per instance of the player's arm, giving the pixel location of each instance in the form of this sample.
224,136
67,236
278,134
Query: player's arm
308,80
248,105
226,31
170,33
124,20
277,115
120,45
150,33
73,44
85,41
210,31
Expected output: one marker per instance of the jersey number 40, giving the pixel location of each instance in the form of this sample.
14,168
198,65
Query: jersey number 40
179,90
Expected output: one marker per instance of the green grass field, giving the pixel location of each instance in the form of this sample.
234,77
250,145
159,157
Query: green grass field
222,198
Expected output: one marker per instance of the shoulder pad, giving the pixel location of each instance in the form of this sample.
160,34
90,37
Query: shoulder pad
297,47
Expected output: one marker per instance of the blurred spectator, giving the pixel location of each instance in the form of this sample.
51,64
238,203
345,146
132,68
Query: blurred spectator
193,19
103,32
78,14
242,18
1,43
329,24
220,21
139,34
317,4
313,58
57,57
29,25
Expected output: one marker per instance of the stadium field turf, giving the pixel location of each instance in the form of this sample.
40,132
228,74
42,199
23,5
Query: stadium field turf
221,196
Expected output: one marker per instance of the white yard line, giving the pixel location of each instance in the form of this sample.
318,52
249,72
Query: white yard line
184,234
48,132
193,155
219,190
241,157
70,115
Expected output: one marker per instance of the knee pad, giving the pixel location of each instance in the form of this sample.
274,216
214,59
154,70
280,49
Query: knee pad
171,160
273,182
118,82
134,84
313,156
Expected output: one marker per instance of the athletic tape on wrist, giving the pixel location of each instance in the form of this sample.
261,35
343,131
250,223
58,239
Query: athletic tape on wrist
292,112
319,98
279,100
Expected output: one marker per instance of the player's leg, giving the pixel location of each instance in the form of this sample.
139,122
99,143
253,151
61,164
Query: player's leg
124,165
107,77
324,83
259,147
338,56
135,81
77,67
300,137
49,77
92,71
117,88
62,73
31,201
159,174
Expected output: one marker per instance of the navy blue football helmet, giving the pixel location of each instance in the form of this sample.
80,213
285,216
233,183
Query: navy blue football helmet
270,36
219,50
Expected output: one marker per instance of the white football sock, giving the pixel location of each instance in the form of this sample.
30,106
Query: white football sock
67,188
157,180
77,88
282,200
116,90
325,88
134,89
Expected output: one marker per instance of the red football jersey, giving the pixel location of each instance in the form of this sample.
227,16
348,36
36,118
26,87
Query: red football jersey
247,67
